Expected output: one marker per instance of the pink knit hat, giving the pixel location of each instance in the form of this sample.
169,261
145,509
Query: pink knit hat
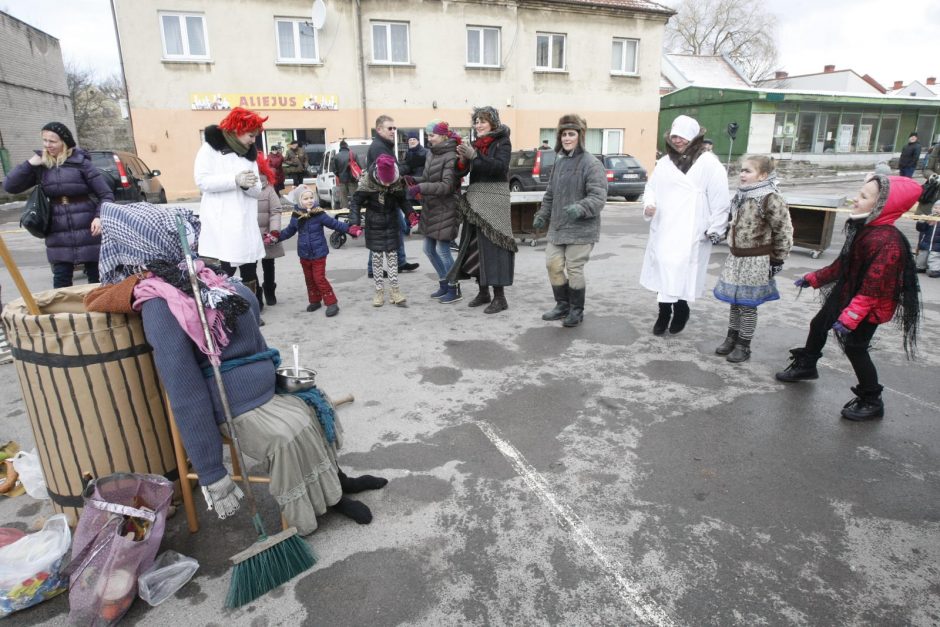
386,170
442,128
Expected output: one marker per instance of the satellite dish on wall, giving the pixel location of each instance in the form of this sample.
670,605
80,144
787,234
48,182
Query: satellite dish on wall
318,14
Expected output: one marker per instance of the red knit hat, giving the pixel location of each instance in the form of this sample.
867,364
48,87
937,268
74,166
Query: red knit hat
386,170
441,128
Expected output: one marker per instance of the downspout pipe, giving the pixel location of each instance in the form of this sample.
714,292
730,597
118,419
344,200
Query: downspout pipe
362,70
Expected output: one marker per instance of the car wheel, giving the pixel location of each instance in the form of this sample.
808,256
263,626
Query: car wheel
515,186
632,197
162,199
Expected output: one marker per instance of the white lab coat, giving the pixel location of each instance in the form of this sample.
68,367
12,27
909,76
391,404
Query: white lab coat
688,208
229,214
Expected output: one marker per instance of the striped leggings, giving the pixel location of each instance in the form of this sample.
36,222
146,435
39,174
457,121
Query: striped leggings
743,319
391,258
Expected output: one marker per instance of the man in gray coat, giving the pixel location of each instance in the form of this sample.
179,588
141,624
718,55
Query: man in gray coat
571,208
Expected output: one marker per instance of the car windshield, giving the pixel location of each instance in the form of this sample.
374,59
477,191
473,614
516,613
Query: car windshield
102,160
362,154
522,159
622,163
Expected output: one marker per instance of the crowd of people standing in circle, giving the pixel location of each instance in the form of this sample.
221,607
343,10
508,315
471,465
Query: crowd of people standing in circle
686,202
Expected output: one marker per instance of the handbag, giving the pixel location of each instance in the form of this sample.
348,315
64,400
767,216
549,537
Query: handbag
355,170
37,215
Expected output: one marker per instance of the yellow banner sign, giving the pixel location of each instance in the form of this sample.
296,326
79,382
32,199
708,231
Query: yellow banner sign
270,102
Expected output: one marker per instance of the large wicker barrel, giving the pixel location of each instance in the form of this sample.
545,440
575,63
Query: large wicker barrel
91,391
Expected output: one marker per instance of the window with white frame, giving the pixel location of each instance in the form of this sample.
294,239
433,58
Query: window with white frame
390,42
296,41
623,56
482,46
549,51
184,36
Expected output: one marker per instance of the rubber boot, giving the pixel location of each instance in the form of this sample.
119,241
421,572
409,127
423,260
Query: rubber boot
561,303
499,301
867,404
482,298
741,352
452,296
441,290
269,297
728,345
802,366
662,321
680,315
576,313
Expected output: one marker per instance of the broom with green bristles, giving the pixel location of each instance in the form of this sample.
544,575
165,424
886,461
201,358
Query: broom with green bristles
271,560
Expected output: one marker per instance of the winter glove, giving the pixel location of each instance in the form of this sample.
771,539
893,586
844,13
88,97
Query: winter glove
714,238
409,180
268,239
223,496
246,179
840,329
775,268
801,282
539,223
573,211
355,231
276,235
466,152
413,219
414,192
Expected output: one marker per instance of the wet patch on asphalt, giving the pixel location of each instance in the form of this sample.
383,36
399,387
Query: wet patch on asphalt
480,354
682,372
439,375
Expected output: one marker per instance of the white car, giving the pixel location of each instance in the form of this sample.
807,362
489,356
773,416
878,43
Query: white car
326,179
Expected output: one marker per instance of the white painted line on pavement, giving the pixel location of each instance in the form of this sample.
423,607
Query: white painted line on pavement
644,608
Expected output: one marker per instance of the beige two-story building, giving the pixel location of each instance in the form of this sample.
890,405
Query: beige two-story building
187,61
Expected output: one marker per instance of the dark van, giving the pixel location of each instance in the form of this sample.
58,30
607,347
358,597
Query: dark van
529,170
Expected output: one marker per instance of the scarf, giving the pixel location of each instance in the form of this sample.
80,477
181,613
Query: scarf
237,147
134,235
219,300
482,144
486,206
757,191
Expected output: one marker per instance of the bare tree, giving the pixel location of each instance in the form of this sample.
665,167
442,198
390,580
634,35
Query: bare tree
97,107
741,29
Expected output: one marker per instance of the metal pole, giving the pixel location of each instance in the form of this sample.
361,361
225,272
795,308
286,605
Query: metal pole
730,148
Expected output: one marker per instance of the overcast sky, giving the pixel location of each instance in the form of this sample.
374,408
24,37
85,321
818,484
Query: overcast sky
864,35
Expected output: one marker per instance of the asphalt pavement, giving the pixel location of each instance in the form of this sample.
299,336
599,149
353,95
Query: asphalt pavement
590,476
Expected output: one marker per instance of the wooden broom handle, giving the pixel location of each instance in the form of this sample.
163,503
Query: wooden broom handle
18,279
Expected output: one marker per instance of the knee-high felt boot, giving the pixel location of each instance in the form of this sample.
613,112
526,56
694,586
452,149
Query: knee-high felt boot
867,404
680,315
561,303
576,313
662,321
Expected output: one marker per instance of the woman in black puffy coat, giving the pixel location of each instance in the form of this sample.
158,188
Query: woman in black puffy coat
75,189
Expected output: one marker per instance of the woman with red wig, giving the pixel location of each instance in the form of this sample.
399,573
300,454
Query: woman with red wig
226,173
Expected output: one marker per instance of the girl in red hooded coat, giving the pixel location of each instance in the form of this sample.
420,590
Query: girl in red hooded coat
873,280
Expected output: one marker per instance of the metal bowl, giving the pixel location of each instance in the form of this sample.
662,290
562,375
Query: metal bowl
287,381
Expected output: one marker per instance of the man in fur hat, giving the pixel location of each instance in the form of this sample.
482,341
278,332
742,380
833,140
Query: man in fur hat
571,208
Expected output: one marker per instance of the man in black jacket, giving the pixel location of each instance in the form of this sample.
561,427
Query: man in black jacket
383,143
345,184
910,155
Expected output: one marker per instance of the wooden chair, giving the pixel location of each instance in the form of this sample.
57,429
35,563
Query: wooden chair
187,476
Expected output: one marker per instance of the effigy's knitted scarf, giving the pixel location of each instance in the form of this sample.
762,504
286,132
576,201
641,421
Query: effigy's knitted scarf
486,206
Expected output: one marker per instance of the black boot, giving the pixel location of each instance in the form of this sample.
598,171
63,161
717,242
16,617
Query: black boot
482,298
728,345
576,313
499,301
741,352
561,303
680,315
665,312
802,366
269,297
867,404
253,286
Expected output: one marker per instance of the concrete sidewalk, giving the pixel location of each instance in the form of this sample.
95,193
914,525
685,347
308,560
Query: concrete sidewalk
596,475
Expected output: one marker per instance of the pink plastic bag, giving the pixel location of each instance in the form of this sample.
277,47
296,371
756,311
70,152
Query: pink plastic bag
117,538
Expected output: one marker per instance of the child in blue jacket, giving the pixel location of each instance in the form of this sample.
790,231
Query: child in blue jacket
928,245
308,219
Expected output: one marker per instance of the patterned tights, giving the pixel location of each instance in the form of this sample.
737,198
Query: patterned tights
743,320
391,258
